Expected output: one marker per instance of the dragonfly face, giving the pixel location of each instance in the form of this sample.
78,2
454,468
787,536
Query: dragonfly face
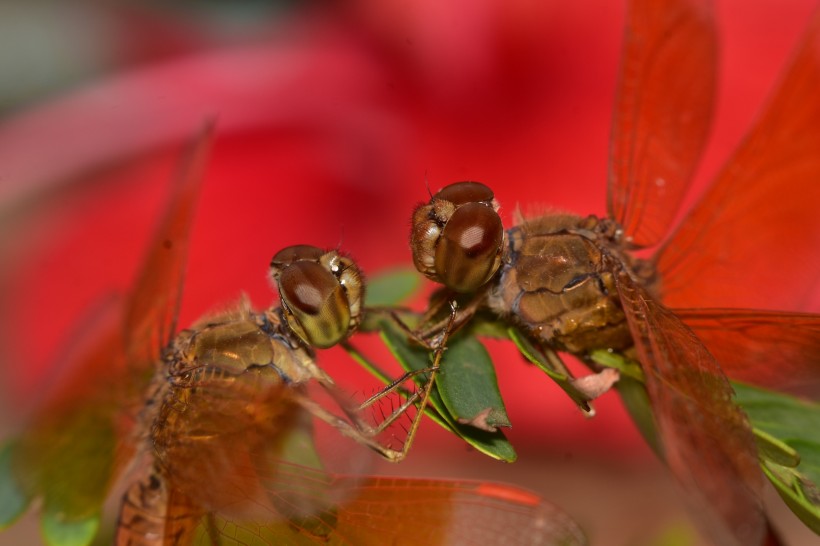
263,351
553,276
458,238
230,396
322,293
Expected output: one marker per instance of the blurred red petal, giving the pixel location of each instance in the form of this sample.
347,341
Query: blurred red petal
325,136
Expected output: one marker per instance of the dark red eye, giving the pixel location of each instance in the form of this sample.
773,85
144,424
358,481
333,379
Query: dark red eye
296,253
307,286
461,193
457,238
468,250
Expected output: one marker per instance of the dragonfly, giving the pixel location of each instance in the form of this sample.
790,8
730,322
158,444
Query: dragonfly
210,430
718,296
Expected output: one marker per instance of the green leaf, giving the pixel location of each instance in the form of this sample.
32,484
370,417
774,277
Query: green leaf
58,531
65,458
788,487
468,385
298,447
482,325
13,500
413,357
772,449
633,394
781,415
636,401
392,287
619,362
73,465
809,466
790,429
561,375
307,487
787,432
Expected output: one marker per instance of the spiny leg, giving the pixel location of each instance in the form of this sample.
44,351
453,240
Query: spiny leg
365,434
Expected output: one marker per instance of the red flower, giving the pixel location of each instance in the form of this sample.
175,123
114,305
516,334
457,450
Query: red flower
327,130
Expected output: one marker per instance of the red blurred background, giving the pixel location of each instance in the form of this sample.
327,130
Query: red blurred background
331,117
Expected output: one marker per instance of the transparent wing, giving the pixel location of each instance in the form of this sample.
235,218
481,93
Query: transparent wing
68,454
81,438
400,511
222,441
153,306
662,113
770,349
752,240
706,439
244,450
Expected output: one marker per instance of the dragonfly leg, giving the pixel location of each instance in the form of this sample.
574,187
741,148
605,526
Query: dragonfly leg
365,434
396,386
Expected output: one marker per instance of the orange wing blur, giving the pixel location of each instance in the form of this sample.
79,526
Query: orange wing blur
80,439
251,473
706,439
407,512
153,306
752,240
662,114
289,503
770,349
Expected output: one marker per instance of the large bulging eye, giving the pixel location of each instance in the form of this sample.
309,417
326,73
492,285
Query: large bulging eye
321,293
462,193
316,300
458,239
296,253
468,247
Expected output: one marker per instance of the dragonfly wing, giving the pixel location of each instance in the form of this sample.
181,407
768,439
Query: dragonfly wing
220,441
401,511
69,453
81,438
751,241
706,438
770,349
246,452
662,113
153,305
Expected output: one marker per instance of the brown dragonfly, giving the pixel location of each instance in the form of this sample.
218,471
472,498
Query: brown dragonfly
216,423
704,305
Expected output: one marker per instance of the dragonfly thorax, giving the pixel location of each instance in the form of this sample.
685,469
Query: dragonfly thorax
557,282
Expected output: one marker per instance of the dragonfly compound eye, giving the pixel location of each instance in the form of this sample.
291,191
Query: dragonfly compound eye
469,249
462,193
296,253
321,293
457,238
